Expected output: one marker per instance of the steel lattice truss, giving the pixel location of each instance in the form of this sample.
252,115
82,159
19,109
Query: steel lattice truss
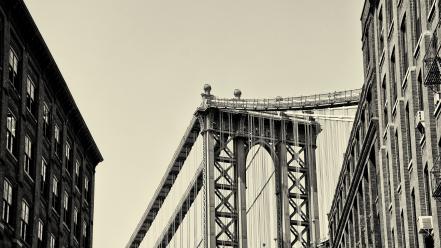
228,133
225,189
298,197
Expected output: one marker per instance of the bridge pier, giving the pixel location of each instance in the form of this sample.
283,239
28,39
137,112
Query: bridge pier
209,191
313,196
282,184
240,151
225,175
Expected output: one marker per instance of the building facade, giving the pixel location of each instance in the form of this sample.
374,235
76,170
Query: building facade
387,190
47,154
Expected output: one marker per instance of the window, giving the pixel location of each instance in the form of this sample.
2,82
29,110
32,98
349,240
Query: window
403,230
397,156
389,12
380,33
55,196
385,103
28,156
384,92
393,77
403,48
52,241
362,128
389,176
57,141
414,218
427,190
393,238
376,228
40,232
10,133
85,243
68,151
13,69
77,174
24,220
69,163
46,125
369,108
30,95
408,134
357,149
43,181
66,213
420,92
417,18
86,188
428,241
366,51
76,228
7,201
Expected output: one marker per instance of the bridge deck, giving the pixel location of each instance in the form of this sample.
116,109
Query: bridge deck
167,182
317,101
182,208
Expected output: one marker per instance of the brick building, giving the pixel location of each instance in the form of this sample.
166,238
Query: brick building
387,189
47,154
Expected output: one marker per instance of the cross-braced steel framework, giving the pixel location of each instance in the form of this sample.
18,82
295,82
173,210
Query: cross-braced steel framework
228,136
298,197
229,128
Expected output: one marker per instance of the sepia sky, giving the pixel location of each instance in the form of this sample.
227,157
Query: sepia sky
136,70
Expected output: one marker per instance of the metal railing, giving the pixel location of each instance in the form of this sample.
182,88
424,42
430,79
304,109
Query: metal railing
317,101
432,60
436,179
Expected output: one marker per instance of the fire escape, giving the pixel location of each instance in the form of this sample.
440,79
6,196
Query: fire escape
432,60
432,65
436,179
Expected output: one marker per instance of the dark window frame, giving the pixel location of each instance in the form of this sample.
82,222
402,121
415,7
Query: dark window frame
7,201
11,133
24,221
13,69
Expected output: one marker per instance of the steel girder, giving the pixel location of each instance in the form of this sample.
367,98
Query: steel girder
298,197
225,145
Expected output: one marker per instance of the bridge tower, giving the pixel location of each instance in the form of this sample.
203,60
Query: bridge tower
228,134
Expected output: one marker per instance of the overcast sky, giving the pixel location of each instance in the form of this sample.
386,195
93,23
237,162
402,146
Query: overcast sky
136,70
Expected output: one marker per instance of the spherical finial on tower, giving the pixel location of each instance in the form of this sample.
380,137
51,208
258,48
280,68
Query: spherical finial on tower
207,89
237,93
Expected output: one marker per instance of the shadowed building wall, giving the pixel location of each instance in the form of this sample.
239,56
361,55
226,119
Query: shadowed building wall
47,154
390,168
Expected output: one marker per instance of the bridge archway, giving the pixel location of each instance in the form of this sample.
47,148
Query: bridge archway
261,199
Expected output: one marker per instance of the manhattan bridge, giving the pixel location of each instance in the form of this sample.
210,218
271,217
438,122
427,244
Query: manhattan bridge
245,173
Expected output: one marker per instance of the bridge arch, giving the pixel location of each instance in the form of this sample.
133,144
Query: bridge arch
261,198
268,148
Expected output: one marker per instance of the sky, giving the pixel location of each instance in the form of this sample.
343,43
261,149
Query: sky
136,70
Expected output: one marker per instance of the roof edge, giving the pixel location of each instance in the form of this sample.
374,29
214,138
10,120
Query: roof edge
81,128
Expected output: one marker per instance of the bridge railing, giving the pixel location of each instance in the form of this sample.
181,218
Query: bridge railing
338,98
